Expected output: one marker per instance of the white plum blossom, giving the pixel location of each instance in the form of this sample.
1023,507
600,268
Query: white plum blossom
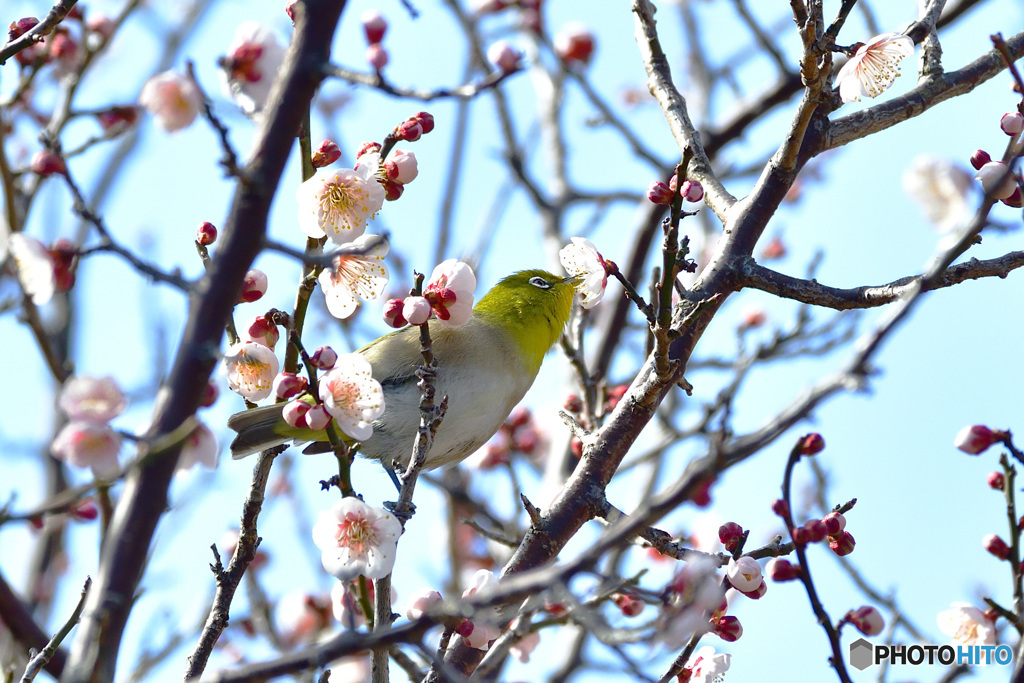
91,398
337,203
250,369
582,261
253,61
356,539
83,443
356,277
706,666
524,647
200,448
404,166
172,99
744,574
874,66
479,631
694,593
34,266
416,310
966,625
940,188
450,292
352,396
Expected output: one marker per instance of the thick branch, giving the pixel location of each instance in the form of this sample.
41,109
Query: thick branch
126,548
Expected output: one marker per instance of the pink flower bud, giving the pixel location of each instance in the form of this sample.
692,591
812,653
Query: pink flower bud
85,510
393,313
628,605
729,534
402,168
288,385
815,530
842,544
410,131
1012,123
368,148
775,249
812,444
317,418
324,358
263,330
421,602
866,619
573,404
834,523
979,159
377,56
505,57
801,536
294,413
702,496
728,629
416,310
206,234
995,480
974,439
780,507
21,27
210,394
326,154
997,546
117,118
574,43
660,193
46,163
254,286
374,26
996,180
426,121
692,191
780,570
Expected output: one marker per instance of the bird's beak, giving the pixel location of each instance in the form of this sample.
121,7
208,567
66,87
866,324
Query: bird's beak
573,279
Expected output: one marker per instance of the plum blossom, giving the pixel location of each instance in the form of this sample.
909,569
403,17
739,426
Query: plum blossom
479,631
450,292
694,593
940,188
966,625
254,59
300,616
356,540
91,398
582,261
172,99
82,443
574,43
200,447
34,266
402,167
706,666
352,396
250,369
502,55
524,647
874,66
744,574
866,619
355,277
337,203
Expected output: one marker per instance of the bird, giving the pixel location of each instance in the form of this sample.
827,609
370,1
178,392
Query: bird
484,367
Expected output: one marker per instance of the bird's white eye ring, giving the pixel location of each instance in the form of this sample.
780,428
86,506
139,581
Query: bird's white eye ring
538,281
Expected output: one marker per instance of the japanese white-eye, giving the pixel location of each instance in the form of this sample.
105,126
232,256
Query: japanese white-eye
484,367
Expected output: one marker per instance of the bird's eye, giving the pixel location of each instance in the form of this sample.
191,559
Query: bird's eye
538,281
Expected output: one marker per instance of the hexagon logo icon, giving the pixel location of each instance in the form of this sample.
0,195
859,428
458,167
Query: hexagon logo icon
862,654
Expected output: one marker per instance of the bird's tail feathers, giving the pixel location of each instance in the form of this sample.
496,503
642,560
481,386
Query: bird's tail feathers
258,429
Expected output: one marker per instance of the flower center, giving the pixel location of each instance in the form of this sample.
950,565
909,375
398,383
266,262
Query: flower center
356,533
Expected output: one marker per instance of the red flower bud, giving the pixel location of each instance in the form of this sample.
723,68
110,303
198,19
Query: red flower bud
780,507
779,570
206,234
997,546
326,154
979,159
995,480
842,544
812,444
729,534
728,629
